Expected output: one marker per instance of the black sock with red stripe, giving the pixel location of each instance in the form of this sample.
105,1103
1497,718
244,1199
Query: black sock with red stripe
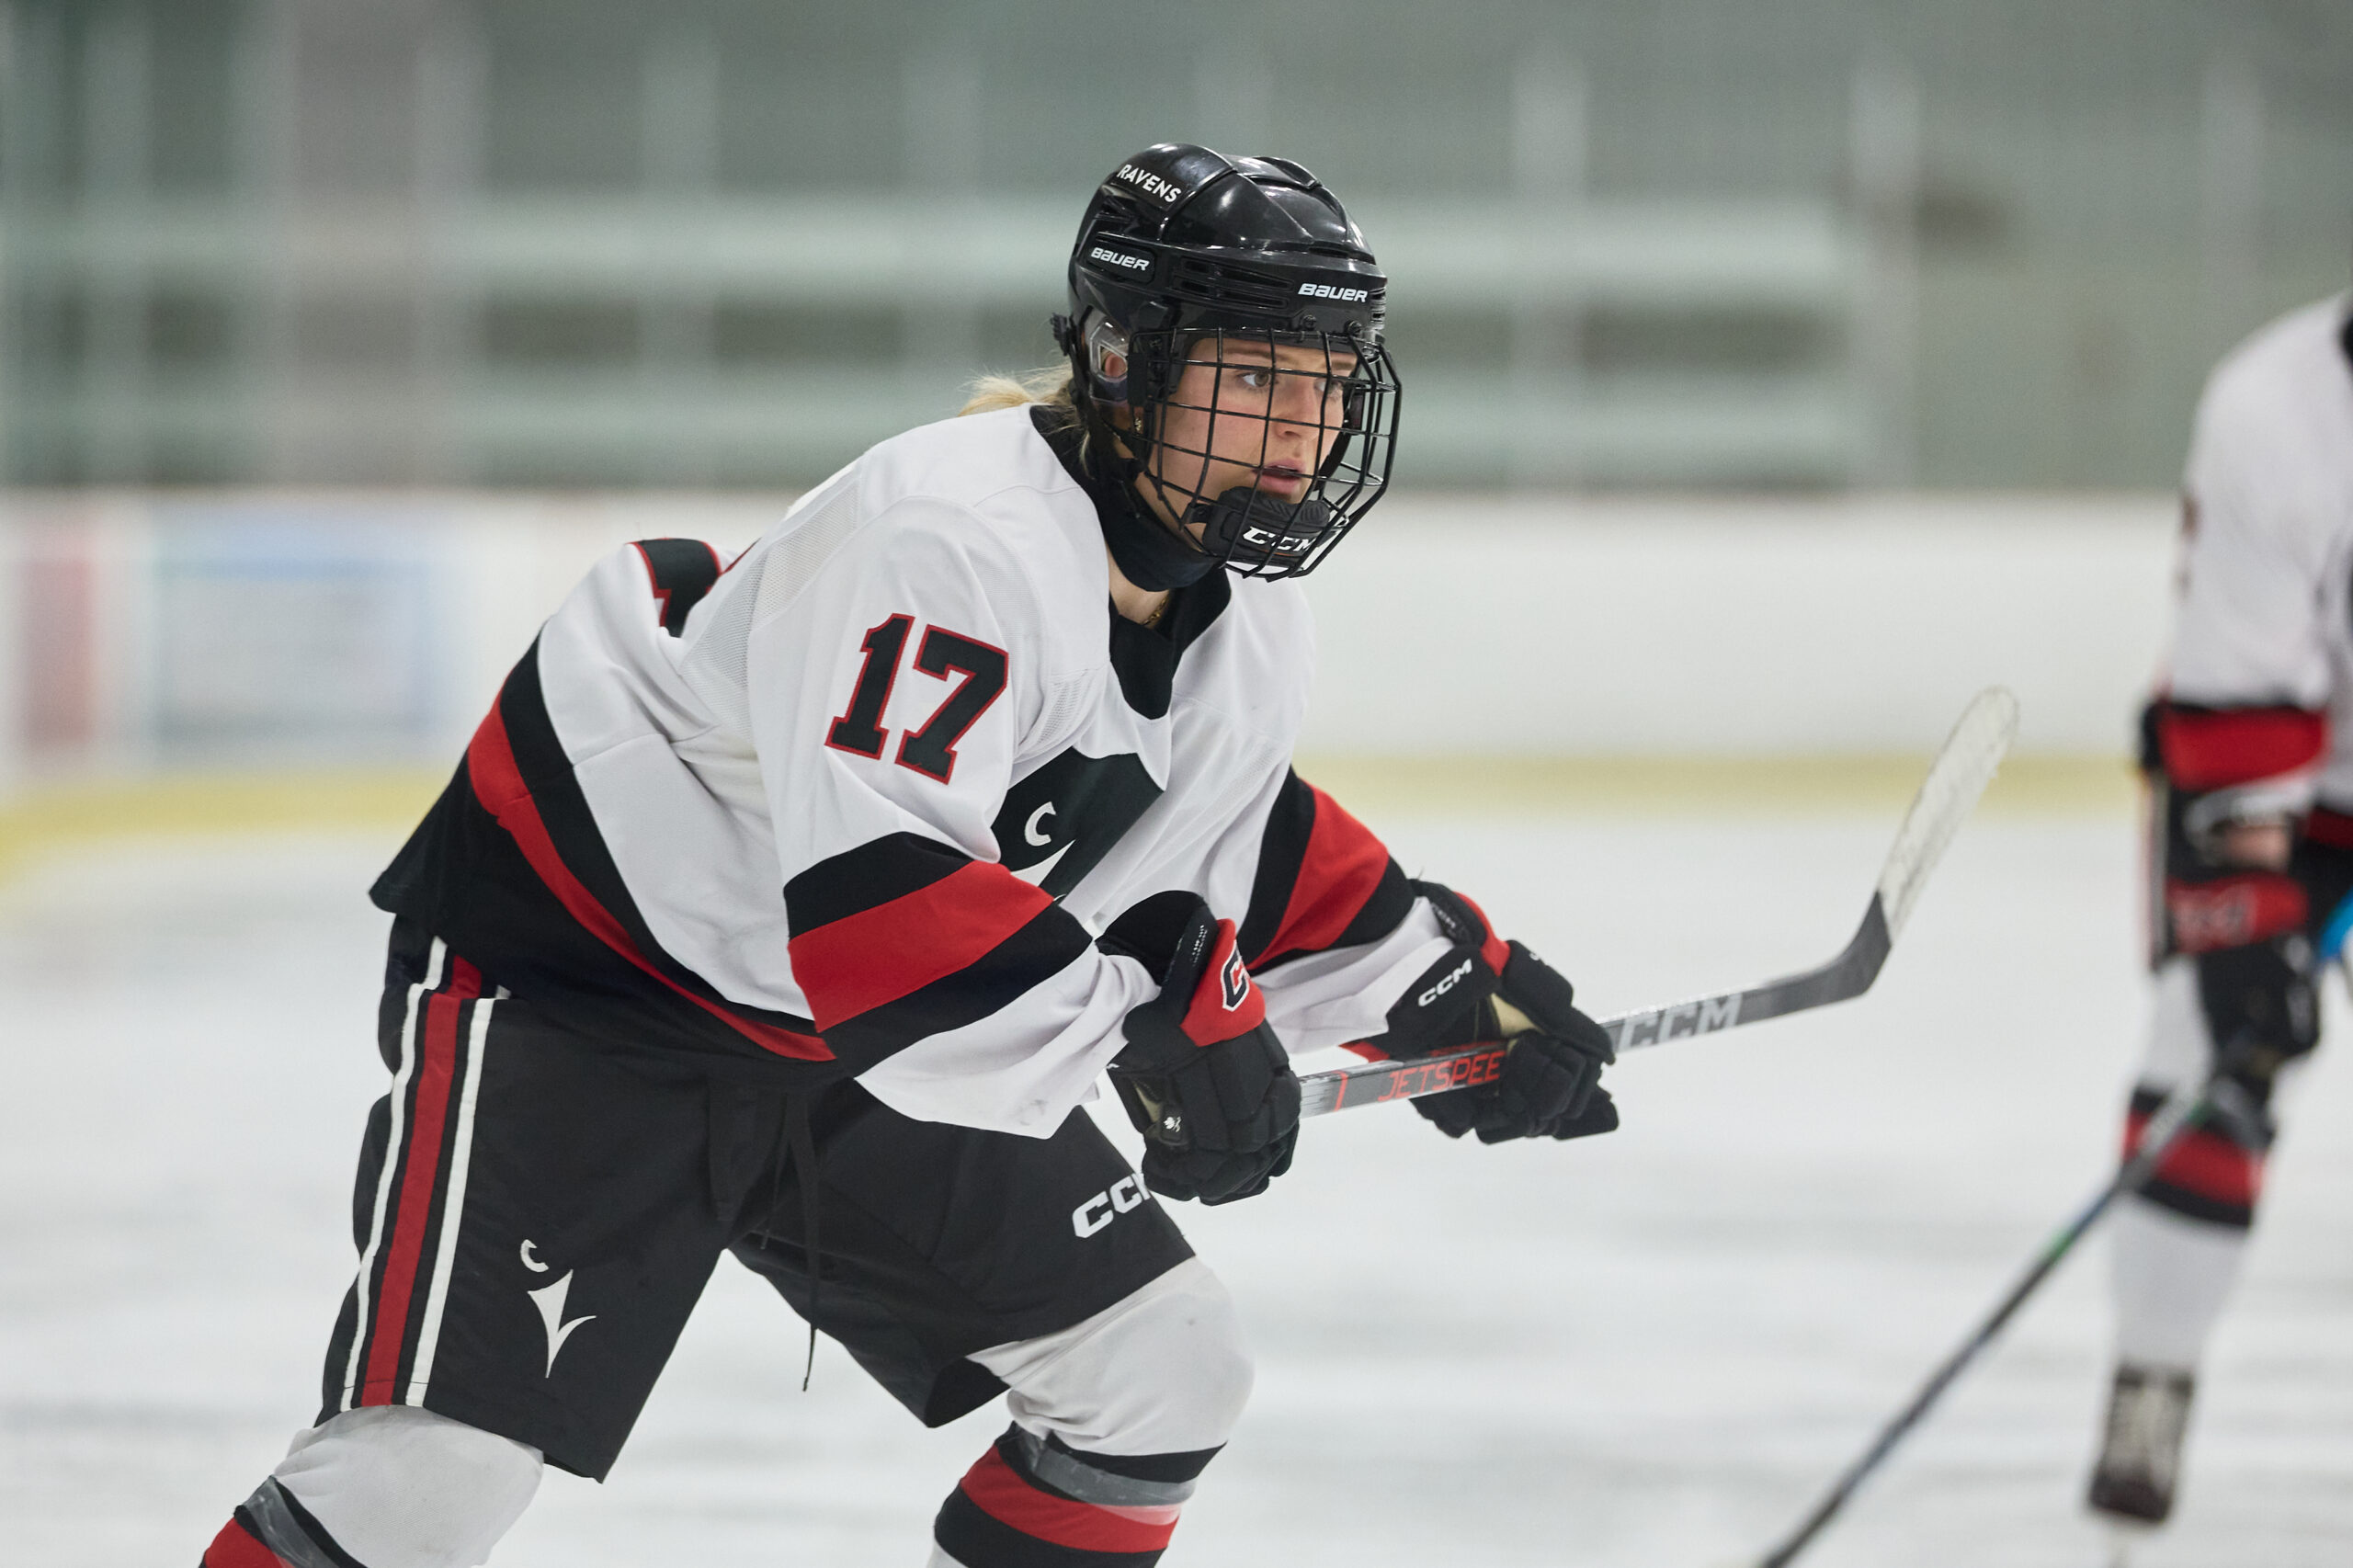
272,1530
1035,1502
2213,1173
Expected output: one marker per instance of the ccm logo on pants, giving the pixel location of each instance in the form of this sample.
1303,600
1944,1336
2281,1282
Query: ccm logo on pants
1125,1194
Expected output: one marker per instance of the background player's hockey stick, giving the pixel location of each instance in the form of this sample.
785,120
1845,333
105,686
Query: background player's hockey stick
1955,780
2183,1110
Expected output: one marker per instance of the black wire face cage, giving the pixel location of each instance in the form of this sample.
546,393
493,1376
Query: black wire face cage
1266,445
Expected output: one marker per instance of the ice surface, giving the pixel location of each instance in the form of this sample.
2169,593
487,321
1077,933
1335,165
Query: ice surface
1650,1350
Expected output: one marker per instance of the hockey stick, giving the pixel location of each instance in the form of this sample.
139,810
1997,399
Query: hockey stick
2182,1111
1957,776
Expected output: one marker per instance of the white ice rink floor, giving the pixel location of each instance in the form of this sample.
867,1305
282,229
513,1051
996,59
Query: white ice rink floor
1648,1351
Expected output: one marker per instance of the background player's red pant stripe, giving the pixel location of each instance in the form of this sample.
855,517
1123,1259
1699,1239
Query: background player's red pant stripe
2238,745
233,1548
435,1075
2204,1163
997,1492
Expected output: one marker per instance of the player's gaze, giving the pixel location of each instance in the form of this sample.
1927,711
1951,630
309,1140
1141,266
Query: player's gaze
1247,413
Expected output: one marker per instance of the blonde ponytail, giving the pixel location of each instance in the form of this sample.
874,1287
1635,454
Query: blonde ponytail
1049,385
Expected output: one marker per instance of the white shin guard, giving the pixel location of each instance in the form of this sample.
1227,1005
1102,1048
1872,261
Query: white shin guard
1163,1370
400,1487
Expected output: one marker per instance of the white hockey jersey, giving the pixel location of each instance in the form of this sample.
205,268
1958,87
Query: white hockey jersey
2259,681
857,802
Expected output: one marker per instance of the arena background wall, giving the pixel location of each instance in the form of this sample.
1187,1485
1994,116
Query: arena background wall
177,659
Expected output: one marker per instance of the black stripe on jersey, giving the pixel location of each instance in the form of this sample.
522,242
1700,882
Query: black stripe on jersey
683,571
1033,955
1282,855
858,879
1383,912
462,877
563,807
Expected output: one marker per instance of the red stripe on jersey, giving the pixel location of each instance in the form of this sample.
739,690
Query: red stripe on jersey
997,1492
2213,750
2231,912
1339,872
1492,950
1227,1002
498,784
2204,1163
2331,828
861,962
235,1547
435,1075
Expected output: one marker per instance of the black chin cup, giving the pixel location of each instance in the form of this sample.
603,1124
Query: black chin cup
1252,532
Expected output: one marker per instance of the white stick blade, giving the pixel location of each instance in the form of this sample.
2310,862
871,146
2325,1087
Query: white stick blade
1972,755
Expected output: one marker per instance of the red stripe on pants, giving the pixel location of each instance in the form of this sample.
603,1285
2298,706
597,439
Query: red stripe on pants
436,1073
234,1547
997,1492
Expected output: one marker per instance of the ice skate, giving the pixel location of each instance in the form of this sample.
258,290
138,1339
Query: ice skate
2140,1459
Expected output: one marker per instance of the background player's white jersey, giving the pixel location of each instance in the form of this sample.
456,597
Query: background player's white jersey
2265,616
860,801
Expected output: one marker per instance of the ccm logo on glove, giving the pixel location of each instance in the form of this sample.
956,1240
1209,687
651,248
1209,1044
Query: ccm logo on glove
1443,986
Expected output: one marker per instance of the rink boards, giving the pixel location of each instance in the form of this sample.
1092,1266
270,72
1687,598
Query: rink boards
140,632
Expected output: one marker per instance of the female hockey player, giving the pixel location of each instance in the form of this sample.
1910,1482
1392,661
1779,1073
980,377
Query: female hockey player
790,910
2250,750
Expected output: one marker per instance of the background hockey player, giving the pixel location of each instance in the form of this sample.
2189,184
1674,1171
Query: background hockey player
790,910
2250,750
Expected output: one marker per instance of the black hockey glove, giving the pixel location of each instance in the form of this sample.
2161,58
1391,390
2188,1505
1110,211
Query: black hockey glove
1486,988
1203,1077
2244,925
2262,1009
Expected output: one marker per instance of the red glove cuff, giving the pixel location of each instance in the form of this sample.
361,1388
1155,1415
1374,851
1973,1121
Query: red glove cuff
2233,910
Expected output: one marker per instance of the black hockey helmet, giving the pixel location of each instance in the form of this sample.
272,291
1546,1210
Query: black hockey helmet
1184,257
